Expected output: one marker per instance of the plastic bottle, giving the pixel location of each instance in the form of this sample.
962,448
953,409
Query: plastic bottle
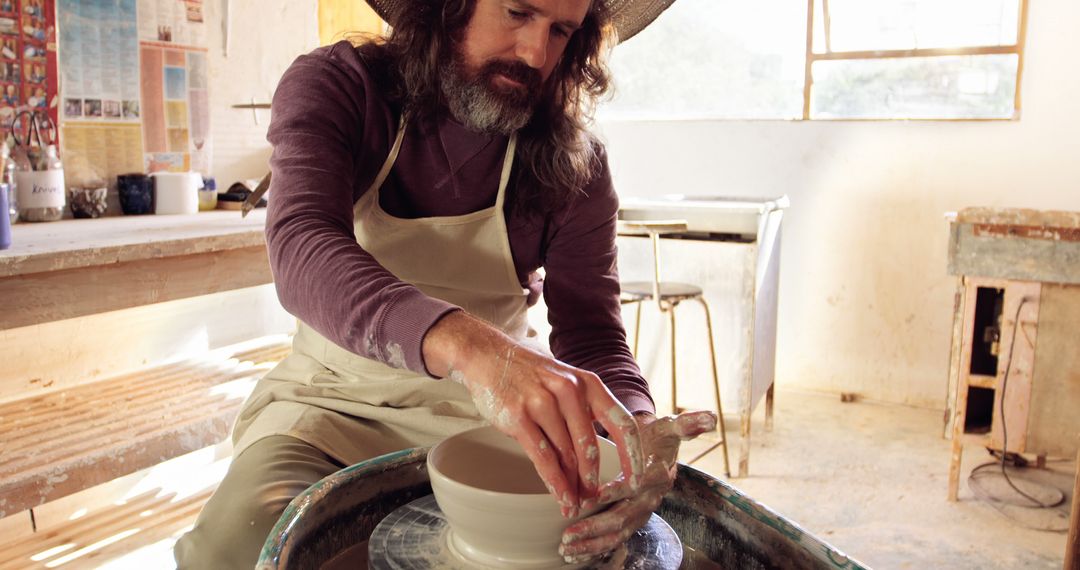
208,195
40,191
5,222
7,176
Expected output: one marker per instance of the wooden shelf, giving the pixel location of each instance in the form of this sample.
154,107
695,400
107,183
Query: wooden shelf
981,381
73,268
73,244
63,442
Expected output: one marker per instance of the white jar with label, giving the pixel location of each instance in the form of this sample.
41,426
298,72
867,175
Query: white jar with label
40,192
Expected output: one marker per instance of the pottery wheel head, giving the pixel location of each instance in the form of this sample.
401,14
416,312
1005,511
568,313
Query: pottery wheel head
416,536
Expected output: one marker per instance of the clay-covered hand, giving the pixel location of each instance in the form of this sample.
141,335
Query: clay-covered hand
630,508
547,406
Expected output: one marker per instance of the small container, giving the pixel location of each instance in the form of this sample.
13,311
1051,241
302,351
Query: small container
176,192
5,221
40,187
88,202
208,195
136,193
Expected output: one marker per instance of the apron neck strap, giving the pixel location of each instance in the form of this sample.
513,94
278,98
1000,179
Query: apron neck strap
504,178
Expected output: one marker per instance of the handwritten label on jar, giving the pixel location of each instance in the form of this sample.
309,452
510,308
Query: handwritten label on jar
40,189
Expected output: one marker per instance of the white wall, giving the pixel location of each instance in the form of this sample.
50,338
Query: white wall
865,304
265,37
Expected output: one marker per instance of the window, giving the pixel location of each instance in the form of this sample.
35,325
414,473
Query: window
864,59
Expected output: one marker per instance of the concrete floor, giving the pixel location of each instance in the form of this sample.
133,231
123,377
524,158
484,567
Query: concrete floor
872,478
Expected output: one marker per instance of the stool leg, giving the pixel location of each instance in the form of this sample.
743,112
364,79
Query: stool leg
716,385
637,327
674,373
769,407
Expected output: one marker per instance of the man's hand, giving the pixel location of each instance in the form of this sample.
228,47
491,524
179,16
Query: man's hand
547,406
605,531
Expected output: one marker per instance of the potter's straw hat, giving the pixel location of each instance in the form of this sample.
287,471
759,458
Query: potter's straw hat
628,17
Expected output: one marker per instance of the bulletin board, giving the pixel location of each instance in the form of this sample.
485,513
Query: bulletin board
134,87
28,77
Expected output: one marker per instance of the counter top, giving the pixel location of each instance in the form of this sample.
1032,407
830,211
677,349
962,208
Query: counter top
1014,243
72,268
704,214
73,244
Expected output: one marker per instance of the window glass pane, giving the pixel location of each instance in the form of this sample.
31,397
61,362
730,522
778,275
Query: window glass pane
955,87
713,59
858,25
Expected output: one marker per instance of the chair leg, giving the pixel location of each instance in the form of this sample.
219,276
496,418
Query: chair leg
637,328
769,398
674,369
716,385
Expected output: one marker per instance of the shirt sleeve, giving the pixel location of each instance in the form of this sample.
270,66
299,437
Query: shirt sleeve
329,139
581,290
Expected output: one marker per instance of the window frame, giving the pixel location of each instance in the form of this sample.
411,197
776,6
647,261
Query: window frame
829,55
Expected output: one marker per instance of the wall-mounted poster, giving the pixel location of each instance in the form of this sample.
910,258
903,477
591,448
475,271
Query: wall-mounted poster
99,68
28,78
134,87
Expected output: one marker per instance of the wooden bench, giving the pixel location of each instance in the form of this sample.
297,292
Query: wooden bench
64,442
93,309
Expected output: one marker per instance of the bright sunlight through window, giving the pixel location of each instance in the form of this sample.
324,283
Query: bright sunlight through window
865,59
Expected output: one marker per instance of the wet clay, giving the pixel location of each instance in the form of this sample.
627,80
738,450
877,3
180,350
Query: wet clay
500,512
504,471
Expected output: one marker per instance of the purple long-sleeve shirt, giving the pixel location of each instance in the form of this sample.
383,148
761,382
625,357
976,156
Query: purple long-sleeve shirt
331,131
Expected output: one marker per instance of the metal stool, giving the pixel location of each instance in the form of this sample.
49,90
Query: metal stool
668,295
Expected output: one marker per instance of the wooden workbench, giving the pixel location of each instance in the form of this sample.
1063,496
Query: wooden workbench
73,268
107,335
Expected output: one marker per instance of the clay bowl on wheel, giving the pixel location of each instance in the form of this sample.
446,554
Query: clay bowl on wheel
498,509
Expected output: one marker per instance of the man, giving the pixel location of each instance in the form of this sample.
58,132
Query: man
419,184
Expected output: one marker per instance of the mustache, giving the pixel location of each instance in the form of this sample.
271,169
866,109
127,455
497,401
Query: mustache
516,70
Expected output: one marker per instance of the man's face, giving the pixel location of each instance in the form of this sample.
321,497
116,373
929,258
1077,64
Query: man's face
506,52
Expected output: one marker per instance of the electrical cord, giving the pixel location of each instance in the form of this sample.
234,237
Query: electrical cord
977,471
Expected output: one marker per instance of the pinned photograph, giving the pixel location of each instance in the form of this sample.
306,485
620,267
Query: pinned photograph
73,108
131,109
93,107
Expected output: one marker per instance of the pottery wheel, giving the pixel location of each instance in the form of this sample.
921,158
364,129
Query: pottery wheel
415,536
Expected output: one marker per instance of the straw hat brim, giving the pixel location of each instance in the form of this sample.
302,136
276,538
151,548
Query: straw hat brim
627,16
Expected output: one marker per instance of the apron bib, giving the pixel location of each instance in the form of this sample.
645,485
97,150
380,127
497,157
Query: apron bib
352,407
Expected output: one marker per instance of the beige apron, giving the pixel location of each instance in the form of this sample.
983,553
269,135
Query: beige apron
354,408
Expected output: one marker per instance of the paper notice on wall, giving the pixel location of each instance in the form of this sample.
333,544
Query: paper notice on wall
95,153
178,22
140,63
175,103
100,64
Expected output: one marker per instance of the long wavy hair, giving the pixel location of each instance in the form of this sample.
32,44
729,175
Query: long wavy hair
556,154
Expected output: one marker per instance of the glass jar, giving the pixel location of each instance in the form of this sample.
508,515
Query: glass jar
40,188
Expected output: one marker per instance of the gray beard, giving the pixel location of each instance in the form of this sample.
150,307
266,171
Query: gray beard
475,106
